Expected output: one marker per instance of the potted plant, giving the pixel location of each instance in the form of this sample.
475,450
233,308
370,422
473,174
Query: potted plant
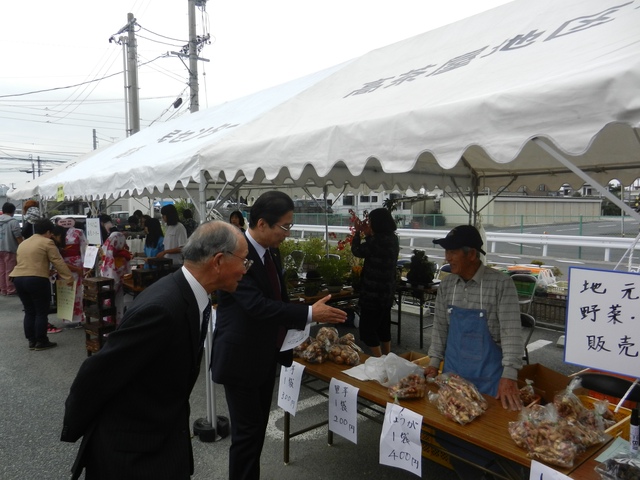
314,249
333,270
421,270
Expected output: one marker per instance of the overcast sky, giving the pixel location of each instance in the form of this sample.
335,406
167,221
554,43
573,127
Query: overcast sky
47,45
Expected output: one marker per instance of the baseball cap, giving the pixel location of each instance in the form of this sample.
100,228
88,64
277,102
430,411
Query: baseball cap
461,236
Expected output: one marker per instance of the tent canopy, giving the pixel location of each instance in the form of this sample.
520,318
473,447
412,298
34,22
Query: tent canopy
469,104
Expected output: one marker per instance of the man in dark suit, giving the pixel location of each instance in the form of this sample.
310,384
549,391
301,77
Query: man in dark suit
250,326
130,401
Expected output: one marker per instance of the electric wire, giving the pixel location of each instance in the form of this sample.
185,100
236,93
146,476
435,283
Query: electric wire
77,84
159,42
163,36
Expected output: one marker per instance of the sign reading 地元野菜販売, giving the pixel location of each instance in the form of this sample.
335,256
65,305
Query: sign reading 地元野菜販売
603,320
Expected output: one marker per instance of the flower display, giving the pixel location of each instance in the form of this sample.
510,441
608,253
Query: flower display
354,221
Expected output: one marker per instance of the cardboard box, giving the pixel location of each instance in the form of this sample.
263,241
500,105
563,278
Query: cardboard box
411,356
418,358
546,382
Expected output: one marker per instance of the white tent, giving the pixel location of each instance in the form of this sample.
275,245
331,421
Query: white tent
472,96
528,93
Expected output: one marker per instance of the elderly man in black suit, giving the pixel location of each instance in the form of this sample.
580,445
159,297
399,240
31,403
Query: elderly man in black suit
130,401
250,326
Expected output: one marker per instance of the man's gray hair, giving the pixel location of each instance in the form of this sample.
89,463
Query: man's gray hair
209,239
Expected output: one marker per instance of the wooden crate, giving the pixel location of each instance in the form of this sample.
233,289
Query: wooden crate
622,417
143,277
432,450
94,287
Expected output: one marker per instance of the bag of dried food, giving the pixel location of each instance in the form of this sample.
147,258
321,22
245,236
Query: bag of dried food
316,352
299,349
343,355
589,425
411,386
528,395
539,431
329,334
457,398
623,466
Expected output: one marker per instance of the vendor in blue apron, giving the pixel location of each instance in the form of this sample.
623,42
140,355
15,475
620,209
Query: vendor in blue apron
476,328
477,332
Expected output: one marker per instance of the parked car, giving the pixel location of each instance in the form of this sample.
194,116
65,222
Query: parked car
120,219
310,206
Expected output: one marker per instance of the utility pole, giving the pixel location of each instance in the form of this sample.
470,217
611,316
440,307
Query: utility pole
132,57
192,48
95,139
194,105
125,69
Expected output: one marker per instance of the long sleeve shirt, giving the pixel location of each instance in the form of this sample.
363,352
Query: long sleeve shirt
34,256
499,299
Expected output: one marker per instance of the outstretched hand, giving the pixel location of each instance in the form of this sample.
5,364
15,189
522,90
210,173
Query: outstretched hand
323,313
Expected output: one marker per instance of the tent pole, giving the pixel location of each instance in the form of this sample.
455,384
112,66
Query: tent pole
202,192
212,427
587,179
326,219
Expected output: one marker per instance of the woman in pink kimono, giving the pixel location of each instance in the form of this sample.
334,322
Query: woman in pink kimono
116,264
72,244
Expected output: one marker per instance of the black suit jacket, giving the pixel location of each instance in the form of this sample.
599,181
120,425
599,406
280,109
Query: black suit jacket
131,399
247,323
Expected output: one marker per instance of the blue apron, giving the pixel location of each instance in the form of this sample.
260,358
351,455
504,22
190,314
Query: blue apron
471,351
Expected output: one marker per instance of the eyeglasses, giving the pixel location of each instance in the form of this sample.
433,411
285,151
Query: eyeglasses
245,261
286,227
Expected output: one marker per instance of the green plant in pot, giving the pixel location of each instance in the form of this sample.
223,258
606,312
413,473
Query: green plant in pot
333,270
421,270
314,249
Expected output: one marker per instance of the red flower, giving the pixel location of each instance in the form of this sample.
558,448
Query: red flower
353,220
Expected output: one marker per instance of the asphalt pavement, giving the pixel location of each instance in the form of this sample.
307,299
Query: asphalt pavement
34,385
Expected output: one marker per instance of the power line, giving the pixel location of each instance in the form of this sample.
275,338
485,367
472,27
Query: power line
163,36
77,84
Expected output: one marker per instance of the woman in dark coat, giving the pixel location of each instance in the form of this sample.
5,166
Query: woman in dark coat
380,251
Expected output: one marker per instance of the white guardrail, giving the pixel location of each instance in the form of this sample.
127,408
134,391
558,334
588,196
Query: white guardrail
493,239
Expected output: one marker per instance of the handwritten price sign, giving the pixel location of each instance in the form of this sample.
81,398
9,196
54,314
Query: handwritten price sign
343,410
400,439
289,389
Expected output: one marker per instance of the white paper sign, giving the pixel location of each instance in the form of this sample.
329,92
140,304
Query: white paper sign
90,255
540,471
343,410
295,338
289,390
603,320
93,231
400,439
65,297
